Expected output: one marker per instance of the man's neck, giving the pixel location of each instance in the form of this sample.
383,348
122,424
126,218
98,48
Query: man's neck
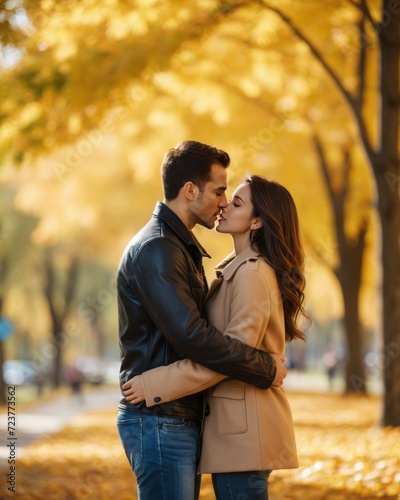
180,211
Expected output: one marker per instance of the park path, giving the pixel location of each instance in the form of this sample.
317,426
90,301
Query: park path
44,419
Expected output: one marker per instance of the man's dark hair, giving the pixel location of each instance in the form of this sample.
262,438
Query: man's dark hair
189,161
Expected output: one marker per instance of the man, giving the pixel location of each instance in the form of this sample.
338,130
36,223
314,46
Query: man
161,295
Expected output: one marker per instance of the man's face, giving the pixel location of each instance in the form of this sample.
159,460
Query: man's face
209,202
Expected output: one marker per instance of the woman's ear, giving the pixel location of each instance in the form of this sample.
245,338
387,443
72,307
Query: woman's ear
256,224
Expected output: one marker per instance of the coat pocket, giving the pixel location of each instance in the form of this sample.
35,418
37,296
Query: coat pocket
231,408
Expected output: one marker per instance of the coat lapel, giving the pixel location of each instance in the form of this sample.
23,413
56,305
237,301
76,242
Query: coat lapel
214,286
232,266
227,268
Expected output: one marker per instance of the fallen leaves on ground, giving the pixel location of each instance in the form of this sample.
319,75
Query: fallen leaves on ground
343,455
343,452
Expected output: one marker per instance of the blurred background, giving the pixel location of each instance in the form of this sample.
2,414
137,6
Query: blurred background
93,94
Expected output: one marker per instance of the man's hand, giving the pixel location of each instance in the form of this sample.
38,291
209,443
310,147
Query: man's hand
133,390
281,370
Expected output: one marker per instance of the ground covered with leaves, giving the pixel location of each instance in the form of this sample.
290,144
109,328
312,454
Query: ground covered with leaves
343,452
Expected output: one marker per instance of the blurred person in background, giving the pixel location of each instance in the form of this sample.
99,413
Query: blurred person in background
331,362
161,296
257,299
75,380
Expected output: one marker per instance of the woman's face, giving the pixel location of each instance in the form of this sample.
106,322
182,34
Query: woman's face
238,216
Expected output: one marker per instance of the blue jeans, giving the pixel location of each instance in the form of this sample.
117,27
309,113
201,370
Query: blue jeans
241,485
163,453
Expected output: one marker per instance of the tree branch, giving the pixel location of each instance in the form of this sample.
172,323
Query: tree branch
338,198
318,255
72,279
314,50
324,166
364,9
261,104
352,102
362,64
346,174
49,288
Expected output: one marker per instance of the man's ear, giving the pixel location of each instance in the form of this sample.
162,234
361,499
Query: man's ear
190,190
256,224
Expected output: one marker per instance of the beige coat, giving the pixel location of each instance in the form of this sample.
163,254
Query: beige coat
247,428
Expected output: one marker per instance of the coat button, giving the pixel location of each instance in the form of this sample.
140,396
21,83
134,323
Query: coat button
157,399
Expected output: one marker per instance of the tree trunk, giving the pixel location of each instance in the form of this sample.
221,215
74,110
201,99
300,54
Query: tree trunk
390,361
350,285
348,271
384,160
387,172
99,335
59,314
57,354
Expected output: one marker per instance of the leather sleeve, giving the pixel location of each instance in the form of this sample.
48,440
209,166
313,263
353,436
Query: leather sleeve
159,275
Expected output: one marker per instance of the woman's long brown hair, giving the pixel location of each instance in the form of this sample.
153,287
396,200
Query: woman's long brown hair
278,241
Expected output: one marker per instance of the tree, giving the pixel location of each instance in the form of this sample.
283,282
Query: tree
100,50
14,248
131,52
349,268
382,154
59,306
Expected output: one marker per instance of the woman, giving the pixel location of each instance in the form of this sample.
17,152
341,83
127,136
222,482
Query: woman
257,299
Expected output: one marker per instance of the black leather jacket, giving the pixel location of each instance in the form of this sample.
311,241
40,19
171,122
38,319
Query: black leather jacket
161,295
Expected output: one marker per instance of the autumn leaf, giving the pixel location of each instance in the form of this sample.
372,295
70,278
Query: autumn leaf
343,454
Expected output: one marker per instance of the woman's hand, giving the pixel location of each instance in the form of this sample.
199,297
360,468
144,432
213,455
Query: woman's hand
133,390
281,370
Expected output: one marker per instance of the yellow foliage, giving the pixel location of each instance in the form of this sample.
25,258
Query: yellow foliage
343,454
103,89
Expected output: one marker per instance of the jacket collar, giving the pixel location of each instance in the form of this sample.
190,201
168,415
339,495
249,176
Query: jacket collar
174,222
232,262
